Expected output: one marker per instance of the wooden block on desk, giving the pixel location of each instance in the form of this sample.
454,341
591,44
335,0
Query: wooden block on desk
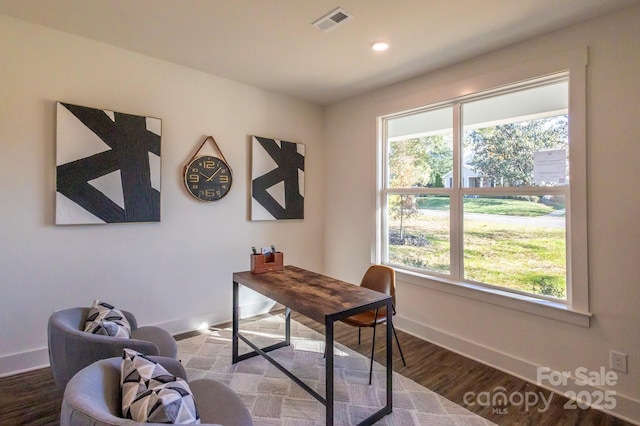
271,262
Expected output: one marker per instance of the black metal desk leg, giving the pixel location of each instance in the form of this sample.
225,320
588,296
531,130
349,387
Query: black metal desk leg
287,325
235,313
329,371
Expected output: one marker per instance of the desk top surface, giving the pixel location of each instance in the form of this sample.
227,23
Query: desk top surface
314,295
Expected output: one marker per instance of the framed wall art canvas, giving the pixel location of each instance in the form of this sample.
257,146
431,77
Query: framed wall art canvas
107,166
277,179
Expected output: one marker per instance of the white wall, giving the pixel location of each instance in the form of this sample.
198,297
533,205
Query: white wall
176,273
508,339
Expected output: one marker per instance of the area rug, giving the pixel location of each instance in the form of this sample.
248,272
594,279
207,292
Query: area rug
275,400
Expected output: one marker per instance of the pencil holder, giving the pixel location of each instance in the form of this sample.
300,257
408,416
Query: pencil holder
270,262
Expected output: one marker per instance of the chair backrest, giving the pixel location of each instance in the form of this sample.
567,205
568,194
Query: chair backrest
380,278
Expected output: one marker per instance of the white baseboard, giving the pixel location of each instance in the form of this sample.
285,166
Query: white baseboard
625,408
24,361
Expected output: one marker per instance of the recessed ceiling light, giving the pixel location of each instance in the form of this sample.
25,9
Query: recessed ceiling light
379,46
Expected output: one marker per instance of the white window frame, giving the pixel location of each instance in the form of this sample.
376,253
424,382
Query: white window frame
575,309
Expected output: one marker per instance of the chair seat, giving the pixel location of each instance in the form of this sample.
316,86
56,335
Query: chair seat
367,319
167,345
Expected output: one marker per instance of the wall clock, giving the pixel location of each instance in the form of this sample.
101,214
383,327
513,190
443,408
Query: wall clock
206,177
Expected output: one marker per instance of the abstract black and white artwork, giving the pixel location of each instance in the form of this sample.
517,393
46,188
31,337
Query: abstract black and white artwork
277,179
107,166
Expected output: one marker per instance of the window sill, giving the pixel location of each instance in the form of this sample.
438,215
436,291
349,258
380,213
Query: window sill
544,308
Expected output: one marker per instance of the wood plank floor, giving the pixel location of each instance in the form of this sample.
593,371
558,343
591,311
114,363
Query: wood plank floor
452,375
32,399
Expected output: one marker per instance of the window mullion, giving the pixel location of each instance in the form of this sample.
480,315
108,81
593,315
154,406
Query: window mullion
455,201
382,251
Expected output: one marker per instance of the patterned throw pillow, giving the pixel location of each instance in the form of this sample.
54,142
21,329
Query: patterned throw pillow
151,394
104,319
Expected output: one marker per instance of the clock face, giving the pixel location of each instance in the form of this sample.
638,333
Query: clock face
207,178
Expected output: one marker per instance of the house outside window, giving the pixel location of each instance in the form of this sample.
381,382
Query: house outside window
476,190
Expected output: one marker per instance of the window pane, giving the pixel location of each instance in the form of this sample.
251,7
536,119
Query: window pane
518,139
517,243
420,149
418,232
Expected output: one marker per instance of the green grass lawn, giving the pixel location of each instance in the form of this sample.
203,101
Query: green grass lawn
528,258
486,205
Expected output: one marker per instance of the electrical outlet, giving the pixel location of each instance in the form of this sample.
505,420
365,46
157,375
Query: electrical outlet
618,361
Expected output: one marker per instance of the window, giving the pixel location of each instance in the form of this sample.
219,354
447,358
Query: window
477,190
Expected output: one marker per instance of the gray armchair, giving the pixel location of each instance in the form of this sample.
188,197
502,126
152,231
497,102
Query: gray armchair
71,348
93,397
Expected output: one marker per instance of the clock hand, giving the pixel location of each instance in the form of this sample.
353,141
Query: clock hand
206,177
214,174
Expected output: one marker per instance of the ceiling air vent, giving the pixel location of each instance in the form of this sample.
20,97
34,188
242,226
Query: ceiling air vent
331,20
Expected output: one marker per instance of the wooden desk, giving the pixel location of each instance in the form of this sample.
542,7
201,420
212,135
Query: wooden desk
322,299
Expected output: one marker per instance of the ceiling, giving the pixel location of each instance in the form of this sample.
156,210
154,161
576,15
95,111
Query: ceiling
273,45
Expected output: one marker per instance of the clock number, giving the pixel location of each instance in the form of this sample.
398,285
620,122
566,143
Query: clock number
209,164
194,178
224,179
